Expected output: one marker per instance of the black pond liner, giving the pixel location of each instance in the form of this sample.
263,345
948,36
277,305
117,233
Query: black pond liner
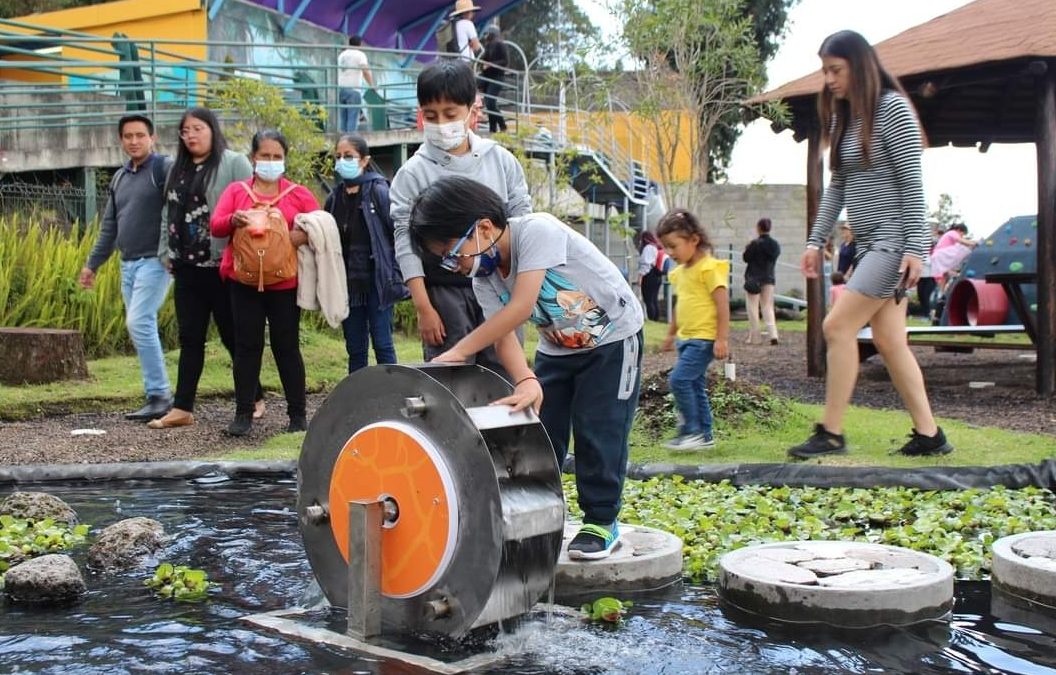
243,532
1041,475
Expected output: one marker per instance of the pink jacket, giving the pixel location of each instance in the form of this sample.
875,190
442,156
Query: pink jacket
235,198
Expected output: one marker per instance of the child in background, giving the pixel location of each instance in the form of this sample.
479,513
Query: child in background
701,322
588,364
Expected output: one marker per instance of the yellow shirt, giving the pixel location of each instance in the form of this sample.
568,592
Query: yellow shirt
698,318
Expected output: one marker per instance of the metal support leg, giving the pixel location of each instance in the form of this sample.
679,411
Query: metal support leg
364,569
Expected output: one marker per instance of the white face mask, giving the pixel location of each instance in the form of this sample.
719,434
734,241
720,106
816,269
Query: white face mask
446,136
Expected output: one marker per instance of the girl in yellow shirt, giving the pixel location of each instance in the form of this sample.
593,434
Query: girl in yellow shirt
701,324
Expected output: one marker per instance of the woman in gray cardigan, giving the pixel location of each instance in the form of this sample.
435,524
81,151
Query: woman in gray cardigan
204,167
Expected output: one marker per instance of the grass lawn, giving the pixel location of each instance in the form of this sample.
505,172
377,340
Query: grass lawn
115,385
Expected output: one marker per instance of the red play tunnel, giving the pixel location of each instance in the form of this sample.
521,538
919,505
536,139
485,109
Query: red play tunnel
977,303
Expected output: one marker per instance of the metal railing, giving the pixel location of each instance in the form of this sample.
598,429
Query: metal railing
52,70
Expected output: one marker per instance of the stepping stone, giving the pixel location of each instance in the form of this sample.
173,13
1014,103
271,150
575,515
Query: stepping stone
645,559
1024,565
913,587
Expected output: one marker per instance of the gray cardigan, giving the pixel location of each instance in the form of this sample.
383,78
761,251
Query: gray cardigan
233,167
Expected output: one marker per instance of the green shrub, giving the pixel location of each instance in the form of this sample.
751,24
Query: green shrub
38,287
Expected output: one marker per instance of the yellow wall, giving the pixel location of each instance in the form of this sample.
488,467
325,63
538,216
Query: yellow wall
634,136
141,20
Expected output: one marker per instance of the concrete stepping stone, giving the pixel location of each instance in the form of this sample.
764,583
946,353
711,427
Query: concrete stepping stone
850,584
1024,565
645,559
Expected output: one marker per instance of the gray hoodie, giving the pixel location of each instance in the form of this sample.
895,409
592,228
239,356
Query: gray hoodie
486,162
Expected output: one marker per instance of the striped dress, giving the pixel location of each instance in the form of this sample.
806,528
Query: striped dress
885,200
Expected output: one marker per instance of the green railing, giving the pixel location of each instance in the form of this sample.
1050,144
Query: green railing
92,80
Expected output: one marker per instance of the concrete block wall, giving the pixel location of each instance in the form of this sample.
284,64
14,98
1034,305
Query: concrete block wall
729,212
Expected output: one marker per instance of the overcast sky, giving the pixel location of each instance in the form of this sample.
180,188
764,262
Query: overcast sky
987,189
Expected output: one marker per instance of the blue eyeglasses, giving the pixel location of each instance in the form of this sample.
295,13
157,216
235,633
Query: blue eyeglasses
449,261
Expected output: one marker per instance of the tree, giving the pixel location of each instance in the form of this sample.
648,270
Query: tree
542,27
768,18
945,215
258,105
698,56
10,9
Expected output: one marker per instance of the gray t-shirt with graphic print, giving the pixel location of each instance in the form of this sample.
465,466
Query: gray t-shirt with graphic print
584,303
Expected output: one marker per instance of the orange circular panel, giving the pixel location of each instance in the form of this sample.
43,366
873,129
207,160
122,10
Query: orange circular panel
392,459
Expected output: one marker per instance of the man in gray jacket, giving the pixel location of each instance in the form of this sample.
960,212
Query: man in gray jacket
131,224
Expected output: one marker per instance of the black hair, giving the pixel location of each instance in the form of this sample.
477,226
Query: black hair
134,118
682,222
444,210
355,40
269,135
447,80
764,225
184,163
960,227
356,141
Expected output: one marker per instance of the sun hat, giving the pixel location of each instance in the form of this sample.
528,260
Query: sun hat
463,6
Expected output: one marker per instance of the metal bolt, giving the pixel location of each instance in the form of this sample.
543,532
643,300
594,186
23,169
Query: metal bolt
316,514
413,406
439,608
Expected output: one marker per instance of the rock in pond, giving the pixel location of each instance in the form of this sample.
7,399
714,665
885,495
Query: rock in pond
49,579
125,543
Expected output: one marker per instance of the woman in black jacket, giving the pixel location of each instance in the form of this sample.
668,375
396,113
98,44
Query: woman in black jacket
360,205
761,255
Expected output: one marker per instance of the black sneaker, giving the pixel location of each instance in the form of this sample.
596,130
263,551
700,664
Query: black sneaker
297,423
241,425
823,442
157,406
594,542
920,445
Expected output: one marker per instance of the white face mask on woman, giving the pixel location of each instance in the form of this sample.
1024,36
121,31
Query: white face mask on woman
447,136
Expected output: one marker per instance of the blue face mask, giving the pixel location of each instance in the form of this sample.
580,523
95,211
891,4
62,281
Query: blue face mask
347,168
270,170
485,264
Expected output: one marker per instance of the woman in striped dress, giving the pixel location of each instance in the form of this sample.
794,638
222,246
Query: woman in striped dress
875,144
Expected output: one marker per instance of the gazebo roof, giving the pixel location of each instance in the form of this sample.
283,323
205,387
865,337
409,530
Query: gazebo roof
970,72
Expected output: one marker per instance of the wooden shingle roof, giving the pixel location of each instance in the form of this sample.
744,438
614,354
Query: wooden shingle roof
970,71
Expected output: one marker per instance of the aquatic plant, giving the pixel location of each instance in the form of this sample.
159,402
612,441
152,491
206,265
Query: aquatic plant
179,582
21,539
714,518
609,610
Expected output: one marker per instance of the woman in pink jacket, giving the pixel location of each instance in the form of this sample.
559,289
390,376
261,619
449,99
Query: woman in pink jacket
277,303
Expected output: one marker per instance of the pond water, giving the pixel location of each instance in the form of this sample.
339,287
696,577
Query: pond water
244,534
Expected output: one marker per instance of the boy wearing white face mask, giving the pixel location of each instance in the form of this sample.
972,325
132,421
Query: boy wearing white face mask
447,310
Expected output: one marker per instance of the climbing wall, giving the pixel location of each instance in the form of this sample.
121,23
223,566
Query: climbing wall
1012,247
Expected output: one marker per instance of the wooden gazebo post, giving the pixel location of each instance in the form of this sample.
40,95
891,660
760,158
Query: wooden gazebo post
1045,142
815,287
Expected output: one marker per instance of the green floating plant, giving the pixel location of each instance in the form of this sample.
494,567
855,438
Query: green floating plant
609,610
21,539
179,582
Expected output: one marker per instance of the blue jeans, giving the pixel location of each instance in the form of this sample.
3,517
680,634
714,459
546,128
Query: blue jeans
351,101
144,284
368,322
688,381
